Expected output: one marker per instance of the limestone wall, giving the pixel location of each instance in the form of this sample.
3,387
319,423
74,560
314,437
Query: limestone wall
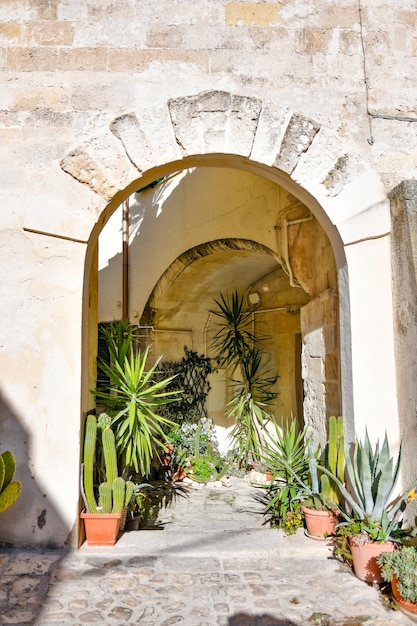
98,98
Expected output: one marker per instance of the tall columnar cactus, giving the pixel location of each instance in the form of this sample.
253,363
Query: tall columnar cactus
334,461
105,497
114,493
88,466
9,489
110,458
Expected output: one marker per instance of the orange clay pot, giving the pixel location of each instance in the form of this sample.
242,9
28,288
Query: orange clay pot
320,524
407,605
101,529
365,564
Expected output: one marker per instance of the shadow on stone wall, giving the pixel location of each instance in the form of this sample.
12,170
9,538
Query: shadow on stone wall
24,579
30,519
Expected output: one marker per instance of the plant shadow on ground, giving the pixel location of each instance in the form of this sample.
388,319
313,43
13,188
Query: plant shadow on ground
316,619
162,496
243,619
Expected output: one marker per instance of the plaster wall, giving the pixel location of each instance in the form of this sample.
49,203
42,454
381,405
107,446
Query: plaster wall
293,106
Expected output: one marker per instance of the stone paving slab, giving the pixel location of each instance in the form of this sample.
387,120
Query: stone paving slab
195,575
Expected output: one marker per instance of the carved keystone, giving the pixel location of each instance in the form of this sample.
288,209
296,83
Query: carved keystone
215,121
298,138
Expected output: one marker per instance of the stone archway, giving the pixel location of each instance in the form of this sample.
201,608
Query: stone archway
224,130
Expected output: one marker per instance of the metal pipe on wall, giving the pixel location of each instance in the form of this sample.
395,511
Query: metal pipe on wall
125,255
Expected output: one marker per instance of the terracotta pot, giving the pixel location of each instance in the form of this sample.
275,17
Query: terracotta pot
407,605
101,529
365,564
320,524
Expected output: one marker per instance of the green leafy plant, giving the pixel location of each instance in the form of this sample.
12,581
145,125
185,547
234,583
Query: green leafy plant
9,488
132,402
204,469
371,479
402,563
238,349
285,454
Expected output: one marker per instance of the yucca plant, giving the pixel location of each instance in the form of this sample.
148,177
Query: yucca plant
132,401
371,478
237,348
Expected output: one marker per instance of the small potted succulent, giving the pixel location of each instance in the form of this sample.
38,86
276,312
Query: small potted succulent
400,569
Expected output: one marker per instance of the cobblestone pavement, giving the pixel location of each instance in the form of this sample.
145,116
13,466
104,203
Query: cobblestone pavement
209,562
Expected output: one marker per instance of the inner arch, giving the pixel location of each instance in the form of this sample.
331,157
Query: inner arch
207,230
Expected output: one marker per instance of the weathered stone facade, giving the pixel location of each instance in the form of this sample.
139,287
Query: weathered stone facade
99,99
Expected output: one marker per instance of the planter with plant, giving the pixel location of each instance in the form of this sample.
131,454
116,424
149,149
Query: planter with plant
400,569
102,518
322,496
373,517
285,455
9,488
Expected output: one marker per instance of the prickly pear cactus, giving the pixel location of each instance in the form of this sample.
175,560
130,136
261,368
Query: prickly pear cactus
9,489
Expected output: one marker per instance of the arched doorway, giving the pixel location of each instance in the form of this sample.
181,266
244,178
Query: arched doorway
203,231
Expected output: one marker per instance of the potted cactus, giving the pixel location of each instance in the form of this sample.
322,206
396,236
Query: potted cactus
102,519
9,489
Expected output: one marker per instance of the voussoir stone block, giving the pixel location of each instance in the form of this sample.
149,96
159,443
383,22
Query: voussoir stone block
298,138
102,164
127,129
149,141
215,121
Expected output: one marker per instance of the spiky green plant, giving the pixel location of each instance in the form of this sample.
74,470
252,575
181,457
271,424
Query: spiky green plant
9,489
285,454
236,347
319,492
372,475
133,402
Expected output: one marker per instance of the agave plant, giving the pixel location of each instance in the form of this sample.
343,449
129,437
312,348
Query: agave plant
372,475
132,402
